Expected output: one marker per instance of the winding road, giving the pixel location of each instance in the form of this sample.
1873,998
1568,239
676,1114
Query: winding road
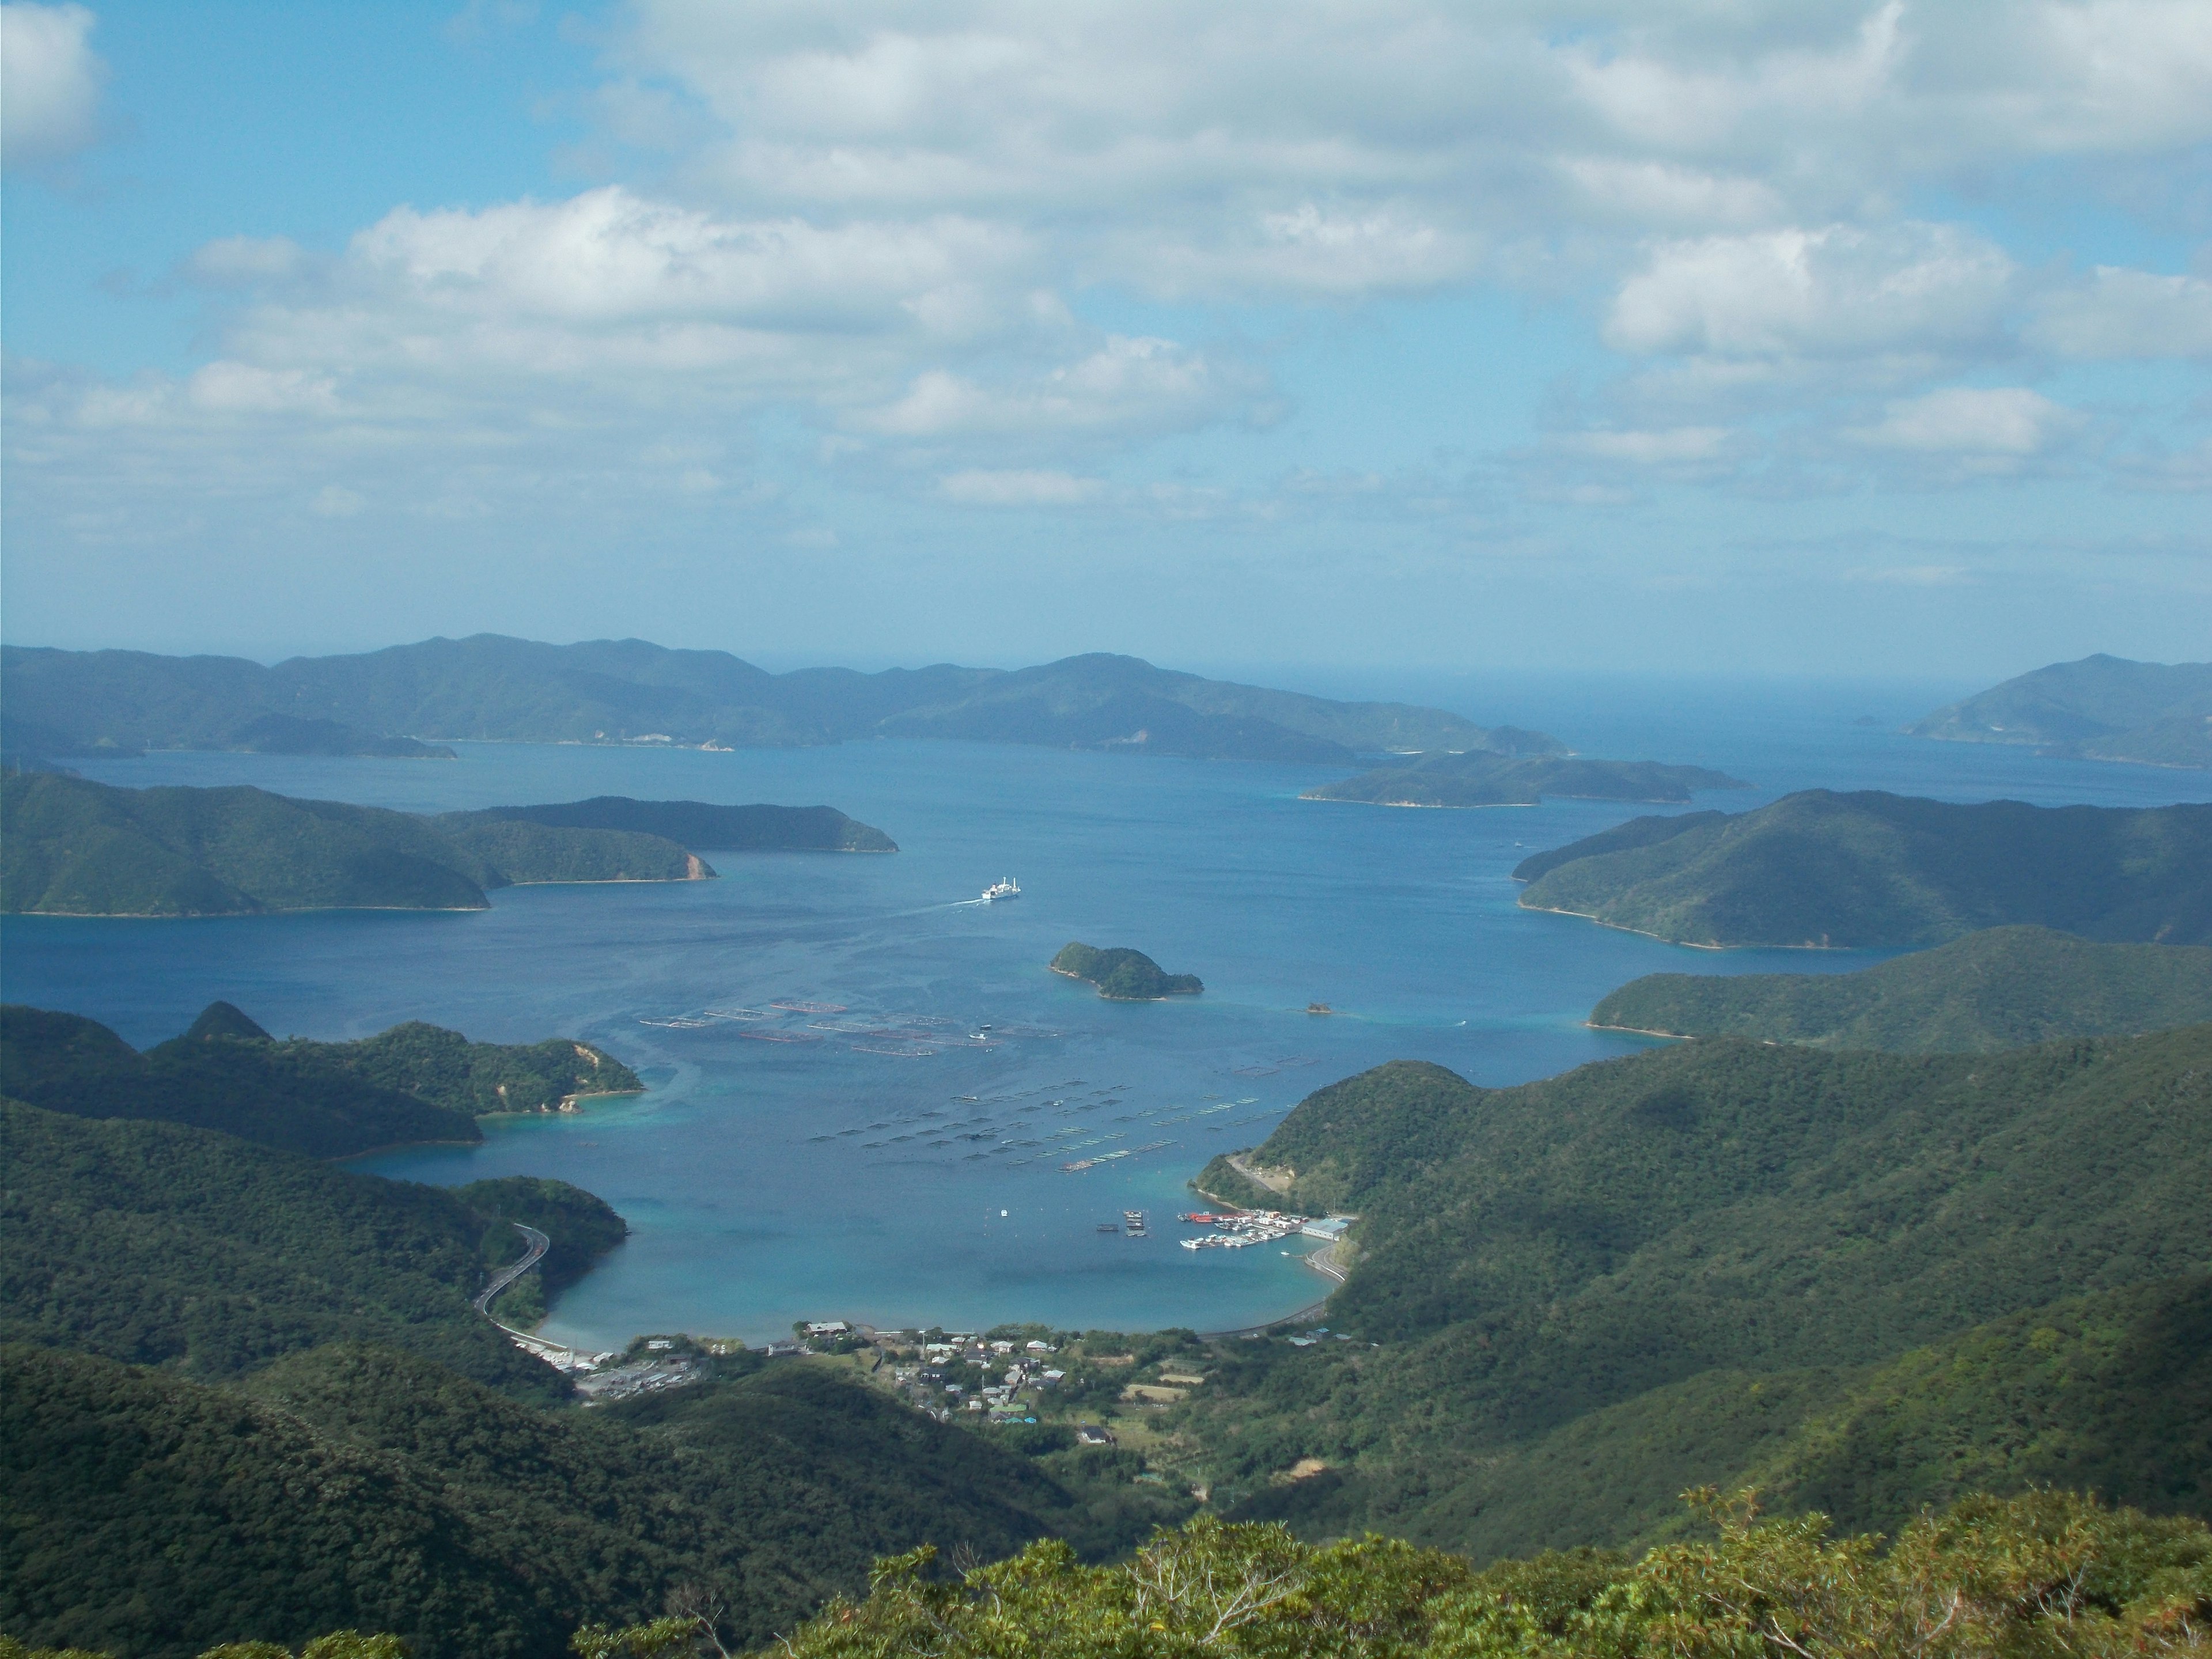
507,1276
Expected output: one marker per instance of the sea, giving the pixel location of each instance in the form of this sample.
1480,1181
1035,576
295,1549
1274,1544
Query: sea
962,1169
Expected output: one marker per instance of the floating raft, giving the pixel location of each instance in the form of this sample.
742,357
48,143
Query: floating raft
903,1050
794,1007
675,1023
740,1013
778,1037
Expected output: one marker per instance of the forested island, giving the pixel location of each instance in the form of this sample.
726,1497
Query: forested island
1123,975
1872,869
1481,778
2101,708
2002,987
76,848
55,704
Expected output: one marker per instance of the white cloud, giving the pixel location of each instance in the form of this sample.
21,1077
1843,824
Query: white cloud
231,388
50,82
1129,385
336,501
2127,313
2002,421
1020,489
1674,445
1838,290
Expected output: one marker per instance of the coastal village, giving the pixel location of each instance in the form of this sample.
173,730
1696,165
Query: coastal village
1093,1390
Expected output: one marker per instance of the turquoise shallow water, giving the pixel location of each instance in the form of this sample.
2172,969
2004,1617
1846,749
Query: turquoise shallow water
767,1182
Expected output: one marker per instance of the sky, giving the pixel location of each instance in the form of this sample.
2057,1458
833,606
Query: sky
1723,337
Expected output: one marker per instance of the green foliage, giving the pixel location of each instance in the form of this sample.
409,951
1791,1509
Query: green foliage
1123,975
76,848
2099,709
287,1095
703,827
161,1245
1480,778
1872,869
357,1486
2046,1574
1757,1216
479,1078
2002,987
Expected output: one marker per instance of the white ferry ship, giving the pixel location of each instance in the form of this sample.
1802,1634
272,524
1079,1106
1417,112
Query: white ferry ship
1007,889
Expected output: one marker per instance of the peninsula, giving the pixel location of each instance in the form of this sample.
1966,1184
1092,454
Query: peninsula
1123,975
2001,988
1819,869
414,1083
1479,778
76,847
2099,709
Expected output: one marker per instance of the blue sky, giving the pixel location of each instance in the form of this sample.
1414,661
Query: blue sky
1843,338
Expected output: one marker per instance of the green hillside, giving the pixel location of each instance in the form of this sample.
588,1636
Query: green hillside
2101,708
356,1486
703,827
1480,779
2002,987
158,1243
1123,975
76,848
281,1096
1872,869
413,1083
1532,1258
79,703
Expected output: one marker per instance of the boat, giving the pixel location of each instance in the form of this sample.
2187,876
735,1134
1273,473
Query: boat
1005,888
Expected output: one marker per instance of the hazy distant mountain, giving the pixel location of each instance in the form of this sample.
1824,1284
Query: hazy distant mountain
1819,868
2099,709
1485,779
487,687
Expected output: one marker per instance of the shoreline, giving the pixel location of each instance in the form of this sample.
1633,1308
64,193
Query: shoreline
1684,944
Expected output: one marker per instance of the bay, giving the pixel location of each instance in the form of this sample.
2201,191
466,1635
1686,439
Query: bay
771,1181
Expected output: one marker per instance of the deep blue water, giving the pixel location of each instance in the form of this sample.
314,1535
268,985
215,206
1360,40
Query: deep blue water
751,1203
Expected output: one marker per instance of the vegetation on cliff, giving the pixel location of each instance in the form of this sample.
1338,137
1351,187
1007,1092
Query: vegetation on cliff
1481,778
1123,975
2001,988
1874,869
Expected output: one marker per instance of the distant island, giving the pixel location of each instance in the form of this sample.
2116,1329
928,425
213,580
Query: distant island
1481,778
1819,869
76,848
701,827
413,1083
58,704
2002,987
1124,976
2099,709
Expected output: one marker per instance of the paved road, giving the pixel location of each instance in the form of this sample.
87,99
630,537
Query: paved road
507,1276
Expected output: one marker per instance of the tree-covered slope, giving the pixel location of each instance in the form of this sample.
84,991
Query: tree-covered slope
705,827
479,1078
359,1486
1531,1256
1480,779
2101,708
65,702
1123,975
2002,987
283,1096
163,1244
76,847
1874,869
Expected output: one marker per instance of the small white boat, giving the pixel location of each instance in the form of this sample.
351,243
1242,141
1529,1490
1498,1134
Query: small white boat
1006,889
